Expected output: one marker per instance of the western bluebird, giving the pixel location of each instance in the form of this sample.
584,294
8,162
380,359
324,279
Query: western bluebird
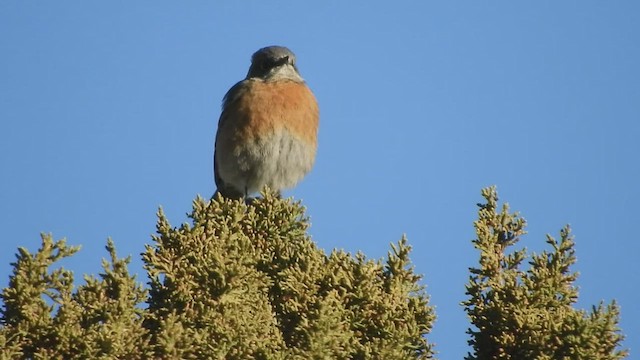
267,132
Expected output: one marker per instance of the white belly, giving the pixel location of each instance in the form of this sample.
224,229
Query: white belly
278,161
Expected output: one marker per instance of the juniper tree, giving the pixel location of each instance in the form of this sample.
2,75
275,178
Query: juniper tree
246,281
239,281
44,317
529,314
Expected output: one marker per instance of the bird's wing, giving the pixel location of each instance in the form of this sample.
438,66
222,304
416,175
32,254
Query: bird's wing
229,98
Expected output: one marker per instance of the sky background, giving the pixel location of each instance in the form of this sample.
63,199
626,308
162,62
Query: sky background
108,110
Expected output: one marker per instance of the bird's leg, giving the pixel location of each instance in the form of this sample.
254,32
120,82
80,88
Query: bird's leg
247,199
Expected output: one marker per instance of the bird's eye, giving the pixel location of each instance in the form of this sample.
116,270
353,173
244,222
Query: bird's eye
267,64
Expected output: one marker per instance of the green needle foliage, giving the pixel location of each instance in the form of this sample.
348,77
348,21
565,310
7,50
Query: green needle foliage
100,320
528,314
238,282
246,282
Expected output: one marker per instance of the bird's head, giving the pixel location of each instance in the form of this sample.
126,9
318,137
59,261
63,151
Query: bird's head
274,63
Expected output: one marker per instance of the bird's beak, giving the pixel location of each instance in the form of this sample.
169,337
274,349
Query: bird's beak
283,61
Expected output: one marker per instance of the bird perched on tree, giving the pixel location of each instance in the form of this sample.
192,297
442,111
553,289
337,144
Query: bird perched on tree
267,132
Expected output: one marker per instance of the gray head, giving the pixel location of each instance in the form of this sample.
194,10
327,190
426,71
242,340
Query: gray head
274,63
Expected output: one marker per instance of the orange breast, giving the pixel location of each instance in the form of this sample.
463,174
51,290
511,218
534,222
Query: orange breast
265,107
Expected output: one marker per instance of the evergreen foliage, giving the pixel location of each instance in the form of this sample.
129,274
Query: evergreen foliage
99,320
246,282
239,282
528,314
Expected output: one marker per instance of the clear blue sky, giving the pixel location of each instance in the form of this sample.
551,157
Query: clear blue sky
109,109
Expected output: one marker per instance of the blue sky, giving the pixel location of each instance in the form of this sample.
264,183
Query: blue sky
109,109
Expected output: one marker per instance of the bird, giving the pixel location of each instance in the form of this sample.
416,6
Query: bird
268,128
